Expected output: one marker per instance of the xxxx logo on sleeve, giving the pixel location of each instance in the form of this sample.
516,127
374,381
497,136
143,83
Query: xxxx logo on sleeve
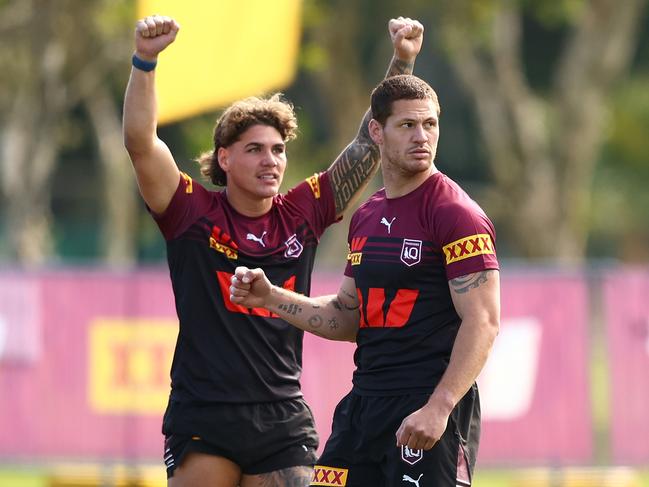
468,247
355,250
329,476
189,188
314,183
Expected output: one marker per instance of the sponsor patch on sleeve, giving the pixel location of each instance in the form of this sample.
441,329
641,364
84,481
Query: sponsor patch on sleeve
329,476
314,183
471,246
188,182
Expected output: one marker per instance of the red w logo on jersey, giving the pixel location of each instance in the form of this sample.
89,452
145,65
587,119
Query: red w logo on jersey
399,310
225,278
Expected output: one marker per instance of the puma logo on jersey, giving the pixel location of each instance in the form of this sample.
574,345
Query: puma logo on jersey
387,223
408,478
259,240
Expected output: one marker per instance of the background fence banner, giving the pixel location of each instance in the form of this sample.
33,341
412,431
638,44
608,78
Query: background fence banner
534,389
626,301
99,340
84,371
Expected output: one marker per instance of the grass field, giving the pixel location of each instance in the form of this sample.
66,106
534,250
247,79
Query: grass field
154,476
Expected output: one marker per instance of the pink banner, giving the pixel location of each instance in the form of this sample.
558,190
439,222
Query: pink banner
534,389
327,366
84,368
626,298
45,408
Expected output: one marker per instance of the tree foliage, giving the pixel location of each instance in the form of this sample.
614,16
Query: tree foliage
545,112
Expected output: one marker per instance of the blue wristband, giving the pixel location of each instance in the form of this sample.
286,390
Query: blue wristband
143,65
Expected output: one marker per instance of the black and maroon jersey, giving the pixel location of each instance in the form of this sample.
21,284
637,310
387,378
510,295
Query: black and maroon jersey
225,352
402,253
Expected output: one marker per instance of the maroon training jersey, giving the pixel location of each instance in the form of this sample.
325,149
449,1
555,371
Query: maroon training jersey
225,352
402,253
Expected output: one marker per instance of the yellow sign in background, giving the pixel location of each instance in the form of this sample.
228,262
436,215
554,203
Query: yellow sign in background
225,50
129,361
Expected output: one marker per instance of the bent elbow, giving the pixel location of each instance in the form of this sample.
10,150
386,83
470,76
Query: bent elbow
492,327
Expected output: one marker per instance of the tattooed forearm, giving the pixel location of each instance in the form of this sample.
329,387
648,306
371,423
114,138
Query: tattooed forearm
315,321
291,309
351,171
333,324
464,284
397,66
354,299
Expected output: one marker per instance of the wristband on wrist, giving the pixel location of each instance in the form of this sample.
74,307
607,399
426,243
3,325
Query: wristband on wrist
143,65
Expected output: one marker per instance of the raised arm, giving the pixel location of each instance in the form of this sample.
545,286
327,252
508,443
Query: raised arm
351,171
477,301
155,169
335,317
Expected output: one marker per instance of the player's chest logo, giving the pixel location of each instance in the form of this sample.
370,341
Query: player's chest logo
411,252
255,238
293,247
384,221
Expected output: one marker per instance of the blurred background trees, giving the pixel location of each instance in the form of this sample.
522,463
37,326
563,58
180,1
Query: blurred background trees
545,120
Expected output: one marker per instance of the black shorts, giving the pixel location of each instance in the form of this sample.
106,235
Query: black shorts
260,438
362,451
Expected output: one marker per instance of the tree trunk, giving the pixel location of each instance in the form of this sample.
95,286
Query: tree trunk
31,139
119,197
542,149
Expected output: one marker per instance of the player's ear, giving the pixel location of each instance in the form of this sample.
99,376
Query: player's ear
222,157
376,131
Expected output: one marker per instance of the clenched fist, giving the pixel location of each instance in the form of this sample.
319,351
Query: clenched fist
153,34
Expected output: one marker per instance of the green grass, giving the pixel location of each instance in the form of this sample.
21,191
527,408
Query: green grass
22,477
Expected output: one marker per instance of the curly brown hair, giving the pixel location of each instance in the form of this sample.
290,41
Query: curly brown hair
274,111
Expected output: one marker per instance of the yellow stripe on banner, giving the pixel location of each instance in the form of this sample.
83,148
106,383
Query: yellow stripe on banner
128,365
225,50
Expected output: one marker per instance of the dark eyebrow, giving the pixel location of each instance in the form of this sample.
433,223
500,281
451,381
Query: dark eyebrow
259,144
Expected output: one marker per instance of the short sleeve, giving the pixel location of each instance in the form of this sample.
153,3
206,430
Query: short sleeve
190,201
314,200
353,252
467,239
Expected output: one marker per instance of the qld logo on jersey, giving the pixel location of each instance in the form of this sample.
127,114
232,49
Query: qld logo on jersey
293,247
468,247
411,252
411,456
